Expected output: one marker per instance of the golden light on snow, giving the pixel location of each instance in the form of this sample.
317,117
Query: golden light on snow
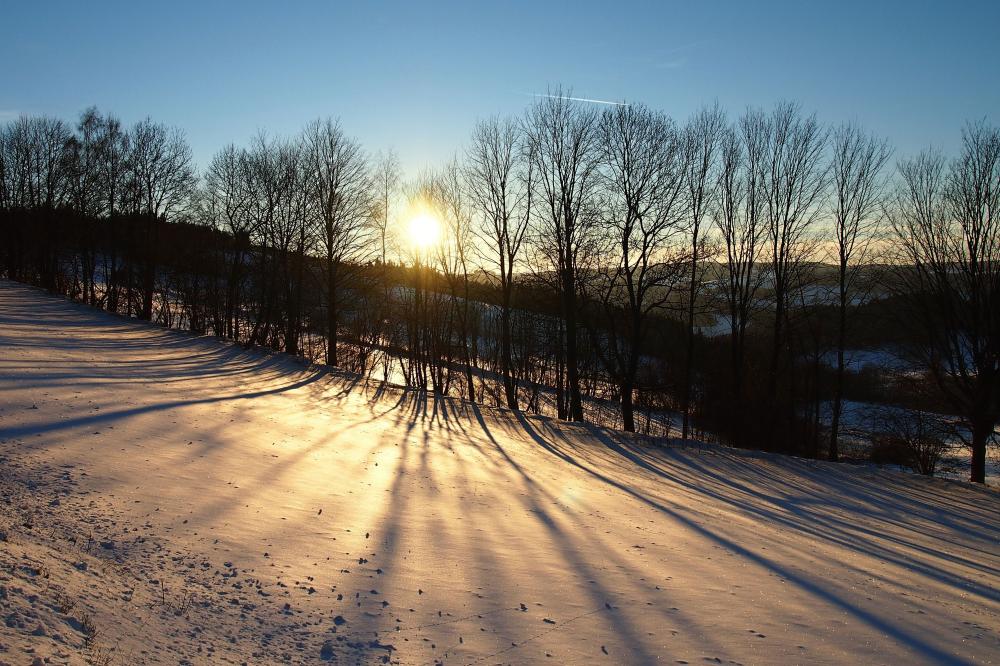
425,230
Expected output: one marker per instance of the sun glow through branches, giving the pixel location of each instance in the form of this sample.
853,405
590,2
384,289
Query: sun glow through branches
425,231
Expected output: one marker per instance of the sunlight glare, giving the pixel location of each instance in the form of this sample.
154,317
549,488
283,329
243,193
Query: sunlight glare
425,230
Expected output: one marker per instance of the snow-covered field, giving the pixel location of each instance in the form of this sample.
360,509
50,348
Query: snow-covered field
860,419
171,499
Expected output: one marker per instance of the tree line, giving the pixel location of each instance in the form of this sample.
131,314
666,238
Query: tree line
596,263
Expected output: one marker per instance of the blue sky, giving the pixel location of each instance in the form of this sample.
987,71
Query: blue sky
415,77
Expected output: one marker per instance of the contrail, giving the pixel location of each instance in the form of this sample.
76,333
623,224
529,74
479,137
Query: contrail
579,99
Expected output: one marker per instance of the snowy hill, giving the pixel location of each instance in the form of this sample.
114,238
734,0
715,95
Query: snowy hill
171,499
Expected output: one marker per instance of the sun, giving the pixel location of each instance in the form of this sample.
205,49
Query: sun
425,230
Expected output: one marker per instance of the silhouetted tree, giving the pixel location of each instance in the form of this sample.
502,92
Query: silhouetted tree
342,189
700,144
562,143
739,216
643,171
500,177
948,234
857,175
454,259
793,183
160,183
226,201
386,186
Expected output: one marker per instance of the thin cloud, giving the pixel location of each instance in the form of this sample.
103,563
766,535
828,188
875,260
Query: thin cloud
677,56
684,47
579,99
672,64
8,114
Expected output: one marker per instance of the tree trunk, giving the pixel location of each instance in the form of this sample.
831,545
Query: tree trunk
295,301
735,419
331,312
772,379
774,411
628,408
689,352
981,432
149,274
561,411
233,298
572,370
506,362
467,340
838,391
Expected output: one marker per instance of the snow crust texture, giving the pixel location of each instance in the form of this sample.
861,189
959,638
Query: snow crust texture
168,499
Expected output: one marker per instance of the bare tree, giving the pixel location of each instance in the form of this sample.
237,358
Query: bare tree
435,303
162,179
116,148
448,192
162,168
278,221
562,142
85,153
499,174
386,187
739,215
794,180
227,200
38,160
341,186
948,233
701,141
607,212
644,183
6,169
857,173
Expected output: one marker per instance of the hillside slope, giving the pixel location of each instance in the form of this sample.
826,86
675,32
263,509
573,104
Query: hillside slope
171,499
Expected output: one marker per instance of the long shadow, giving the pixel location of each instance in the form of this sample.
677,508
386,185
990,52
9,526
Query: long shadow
570,552
821,525
433,413
915,642
845,532
48,427
415,408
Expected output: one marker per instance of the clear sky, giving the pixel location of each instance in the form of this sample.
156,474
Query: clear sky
415,76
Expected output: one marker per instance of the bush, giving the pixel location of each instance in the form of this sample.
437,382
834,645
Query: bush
910,437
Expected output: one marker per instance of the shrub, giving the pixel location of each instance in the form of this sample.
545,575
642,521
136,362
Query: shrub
909,437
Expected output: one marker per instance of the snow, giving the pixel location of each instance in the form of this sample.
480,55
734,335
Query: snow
182,500
855,360
859,420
